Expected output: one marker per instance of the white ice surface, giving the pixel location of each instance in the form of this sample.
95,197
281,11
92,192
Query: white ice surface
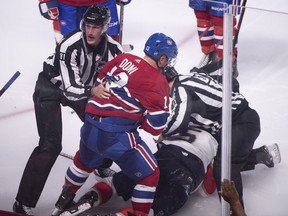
27,39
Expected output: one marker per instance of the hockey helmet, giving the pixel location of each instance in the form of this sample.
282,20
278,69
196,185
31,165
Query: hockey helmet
170,73
97,15
159,44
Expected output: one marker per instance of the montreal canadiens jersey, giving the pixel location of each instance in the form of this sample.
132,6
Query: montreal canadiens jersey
138,91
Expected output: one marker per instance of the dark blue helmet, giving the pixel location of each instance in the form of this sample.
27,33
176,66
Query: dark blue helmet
159,44
97,15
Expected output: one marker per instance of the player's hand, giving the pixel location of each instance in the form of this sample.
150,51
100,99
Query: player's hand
49,9
100,91
124,2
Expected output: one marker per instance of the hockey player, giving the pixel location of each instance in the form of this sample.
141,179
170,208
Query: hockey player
209,16
67,14
67,79
183,158
197,101
139,98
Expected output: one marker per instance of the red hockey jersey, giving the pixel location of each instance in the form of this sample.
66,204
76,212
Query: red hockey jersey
138,92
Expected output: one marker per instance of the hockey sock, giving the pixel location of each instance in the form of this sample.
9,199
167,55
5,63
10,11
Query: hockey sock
144,192
77,173
205,31
218,36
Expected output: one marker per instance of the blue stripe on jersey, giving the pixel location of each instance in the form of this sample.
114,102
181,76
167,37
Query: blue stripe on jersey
157,120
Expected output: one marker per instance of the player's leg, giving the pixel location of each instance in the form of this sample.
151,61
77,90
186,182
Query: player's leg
217,14
114,26
205,30
69,18
46,99
140,165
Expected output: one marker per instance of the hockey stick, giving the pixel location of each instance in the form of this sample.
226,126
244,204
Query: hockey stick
239,22
126,47
121,20
9,83
63,154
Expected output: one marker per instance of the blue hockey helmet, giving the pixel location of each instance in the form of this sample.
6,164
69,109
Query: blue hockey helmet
159,44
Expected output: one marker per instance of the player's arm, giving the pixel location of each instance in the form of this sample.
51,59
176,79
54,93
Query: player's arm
156,101
99,89
180,113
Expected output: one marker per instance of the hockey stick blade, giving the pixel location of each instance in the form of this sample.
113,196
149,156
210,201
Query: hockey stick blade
127,47
9,83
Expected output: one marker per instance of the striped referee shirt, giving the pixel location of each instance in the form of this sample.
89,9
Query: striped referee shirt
75,65
197,102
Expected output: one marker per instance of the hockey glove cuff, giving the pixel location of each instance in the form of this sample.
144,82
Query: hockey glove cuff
49,9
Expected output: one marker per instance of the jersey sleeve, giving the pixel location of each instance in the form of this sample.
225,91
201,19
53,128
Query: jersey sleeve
74,88
180,112
156,101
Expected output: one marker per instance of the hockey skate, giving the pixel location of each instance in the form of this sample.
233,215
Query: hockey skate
22,209
268,155
99,194
85,202
64,201
208,59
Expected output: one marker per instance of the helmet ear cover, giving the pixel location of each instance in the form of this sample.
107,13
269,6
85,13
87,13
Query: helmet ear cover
96,15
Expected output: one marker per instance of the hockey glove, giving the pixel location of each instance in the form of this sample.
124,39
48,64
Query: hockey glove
124,2
49,9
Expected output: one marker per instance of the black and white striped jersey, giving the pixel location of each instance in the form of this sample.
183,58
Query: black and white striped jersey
197,102
75,65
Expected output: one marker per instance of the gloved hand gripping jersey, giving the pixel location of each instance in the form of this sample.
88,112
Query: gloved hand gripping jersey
49,9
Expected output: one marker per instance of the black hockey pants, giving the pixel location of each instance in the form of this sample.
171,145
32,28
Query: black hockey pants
47,104
245,130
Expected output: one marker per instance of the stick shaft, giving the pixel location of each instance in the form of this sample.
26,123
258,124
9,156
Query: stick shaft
121,22
9,83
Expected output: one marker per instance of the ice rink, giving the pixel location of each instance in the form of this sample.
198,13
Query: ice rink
27,40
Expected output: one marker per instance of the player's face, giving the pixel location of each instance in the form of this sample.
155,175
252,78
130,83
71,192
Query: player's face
93,34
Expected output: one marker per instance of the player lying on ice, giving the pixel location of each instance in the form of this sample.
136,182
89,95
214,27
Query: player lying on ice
182,163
